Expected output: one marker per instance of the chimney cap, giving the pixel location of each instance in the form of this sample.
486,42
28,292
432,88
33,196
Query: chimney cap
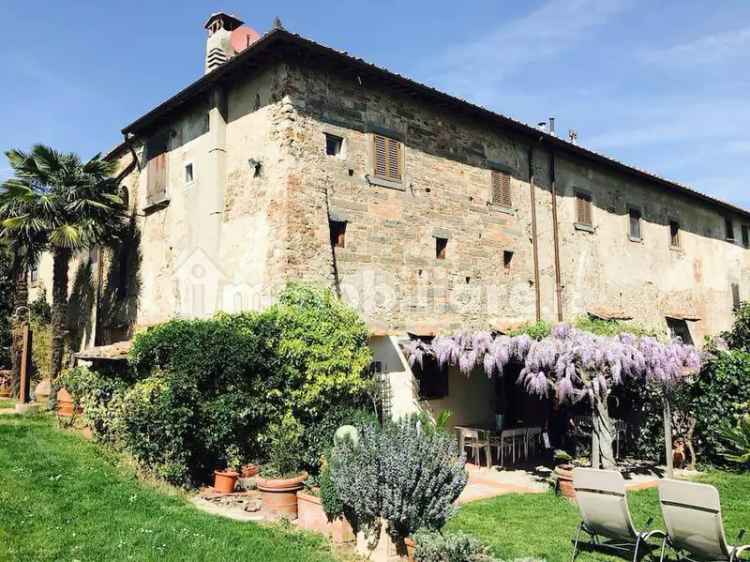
230,22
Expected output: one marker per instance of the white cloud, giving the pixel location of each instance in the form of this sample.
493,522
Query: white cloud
719,47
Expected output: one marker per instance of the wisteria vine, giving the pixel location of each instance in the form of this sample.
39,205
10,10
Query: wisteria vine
573,363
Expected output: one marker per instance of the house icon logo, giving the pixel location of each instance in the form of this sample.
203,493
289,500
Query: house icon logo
199,284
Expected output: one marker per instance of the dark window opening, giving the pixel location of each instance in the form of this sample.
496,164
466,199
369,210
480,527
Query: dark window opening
501,193
338,234
729,226
507,259
433,380
736,301
333,145
441,246
584,214
635,224
746,236
188,173
679,329
674,234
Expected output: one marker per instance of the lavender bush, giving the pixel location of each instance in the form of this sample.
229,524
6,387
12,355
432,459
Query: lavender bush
406,477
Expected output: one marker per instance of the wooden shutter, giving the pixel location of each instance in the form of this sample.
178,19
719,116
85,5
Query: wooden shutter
388,163
156,190
583,209
501,194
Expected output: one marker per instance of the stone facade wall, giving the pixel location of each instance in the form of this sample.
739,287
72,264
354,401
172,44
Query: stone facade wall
389,269
257,214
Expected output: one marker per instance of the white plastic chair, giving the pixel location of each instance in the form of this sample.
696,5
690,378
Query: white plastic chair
692,516
603,503
476,440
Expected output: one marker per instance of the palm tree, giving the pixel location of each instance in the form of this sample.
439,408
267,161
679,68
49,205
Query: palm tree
65,204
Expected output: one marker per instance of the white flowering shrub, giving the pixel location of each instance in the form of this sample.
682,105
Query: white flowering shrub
407,477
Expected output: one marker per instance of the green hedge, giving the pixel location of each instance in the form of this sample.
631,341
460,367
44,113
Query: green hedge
198,388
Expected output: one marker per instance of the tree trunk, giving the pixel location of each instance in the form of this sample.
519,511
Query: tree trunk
595,456
20,299
668,452
61,263
603,436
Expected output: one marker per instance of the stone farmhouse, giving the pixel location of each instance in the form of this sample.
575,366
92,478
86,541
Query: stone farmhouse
289,160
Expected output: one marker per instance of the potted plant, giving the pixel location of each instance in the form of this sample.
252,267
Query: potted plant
281,477
5,384
226,480
314,503
564,474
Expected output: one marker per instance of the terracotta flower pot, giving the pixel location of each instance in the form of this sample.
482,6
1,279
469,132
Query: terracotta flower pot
312,517
225,481
64,403
564,474
410,547
249,470
279,496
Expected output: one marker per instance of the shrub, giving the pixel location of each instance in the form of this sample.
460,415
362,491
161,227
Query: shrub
329,498
739,336
717,395
284,459
432,546
100,396
407,477
159,426
737,440
317,440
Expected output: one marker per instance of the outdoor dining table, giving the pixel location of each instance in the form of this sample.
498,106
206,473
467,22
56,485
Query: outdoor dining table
490,431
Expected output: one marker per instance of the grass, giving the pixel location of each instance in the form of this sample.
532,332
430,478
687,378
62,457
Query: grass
541,526
7,403
63,498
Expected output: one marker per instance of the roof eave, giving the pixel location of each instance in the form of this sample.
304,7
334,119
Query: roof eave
204,83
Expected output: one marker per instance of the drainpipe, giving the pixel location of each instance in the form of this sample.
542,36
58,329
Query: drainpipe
558,283
534,238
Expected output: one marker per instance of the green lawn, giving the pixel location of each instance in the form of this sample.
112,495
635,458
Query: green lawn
62,498
516,526
7,403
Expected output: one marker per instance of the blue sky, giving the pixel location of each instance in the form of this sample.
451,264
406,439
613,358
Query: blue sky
660,85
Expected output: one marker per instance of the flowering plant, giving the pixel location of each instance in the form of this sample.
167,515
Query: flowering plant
570,363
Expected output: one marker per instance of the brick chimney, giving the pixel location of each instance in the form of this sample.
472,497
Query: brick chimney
226,37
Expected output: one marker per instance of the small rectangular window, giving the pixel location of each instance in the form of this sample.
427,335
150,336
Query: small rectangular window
634,230
441,246
736,300
674,234
746,236
584,214
333,145
188,173
338,234
388,161
507,260
729,227
34,273
501,194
